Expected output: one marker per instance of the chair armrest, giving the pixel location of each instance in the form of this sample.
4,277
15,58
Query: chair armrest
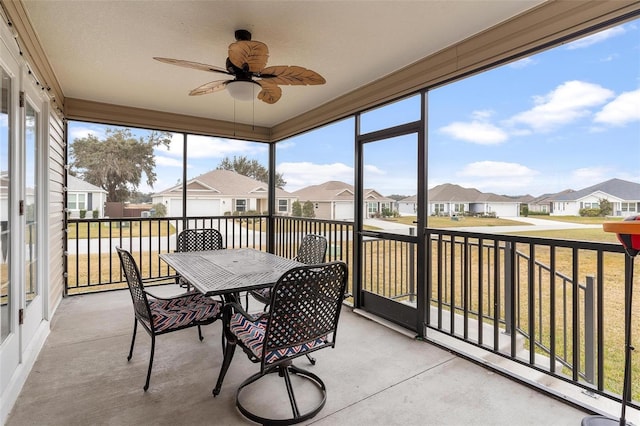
177,296
238,308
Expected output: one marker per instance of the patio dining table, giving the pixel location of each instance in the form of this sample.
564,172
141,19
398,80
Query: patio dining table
230,271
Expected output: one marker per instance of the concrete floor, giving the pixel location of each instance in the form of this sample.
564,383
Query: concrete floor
374,376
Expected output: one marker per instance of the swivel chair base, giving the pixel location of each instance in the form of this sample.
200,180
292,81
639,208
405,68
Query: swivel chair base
601,421
284,371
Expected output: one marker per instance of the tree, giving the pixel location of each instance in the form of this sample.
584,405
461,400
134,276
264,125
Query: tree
296,209
251,168
308,210
116,164
159,210
605,207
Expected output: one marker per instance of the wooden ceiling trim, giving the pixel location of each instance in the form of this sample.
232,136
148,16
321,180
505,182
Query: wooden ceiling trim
79,109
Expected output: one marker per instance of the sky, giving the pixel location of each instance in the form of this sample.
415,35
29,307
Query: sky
566,118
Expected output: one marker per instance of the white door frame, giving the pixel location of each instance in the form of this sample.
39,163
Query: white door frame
19,350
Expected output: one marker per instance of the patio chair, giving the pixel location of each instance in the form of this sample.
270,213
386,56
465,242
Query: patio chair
198,240
164,315
302,318
312,251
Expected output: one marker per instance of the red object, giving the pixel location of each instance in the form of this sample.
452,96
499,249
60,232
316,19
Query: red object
630,242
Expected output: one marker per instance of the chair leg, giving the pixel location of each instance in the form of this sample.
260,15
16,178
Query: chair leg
311,359
200,334
229,350
153,347
133,338
284,372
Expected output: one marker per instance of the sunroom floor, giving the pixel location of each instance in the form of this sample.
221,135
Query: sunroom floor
374,376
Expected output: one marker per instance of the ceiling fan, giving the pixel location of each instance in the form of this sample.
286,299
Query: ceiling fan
247,63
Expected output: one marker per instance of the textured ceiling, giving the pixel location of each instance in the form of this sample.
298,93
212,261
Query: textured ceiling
102,50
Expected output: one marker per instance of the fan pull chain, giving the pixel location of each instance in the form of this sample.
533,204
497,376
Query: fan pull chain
234,118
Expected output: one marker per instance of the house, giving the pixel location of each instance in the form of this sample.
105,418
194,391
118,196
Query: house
221,192
623,195
333,200
407,206
83,196
449,199
544,203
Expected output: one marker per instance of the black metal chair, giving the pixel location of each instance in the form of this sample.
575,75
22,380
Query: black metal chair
163,315
198,240
312,251
302,318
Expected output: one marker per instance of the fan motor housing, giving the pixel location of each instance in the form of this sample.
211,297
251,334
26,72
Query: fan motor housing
242,35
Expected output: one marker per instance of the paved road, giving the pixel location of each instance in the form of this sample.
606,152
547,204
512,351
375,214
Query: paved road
533,224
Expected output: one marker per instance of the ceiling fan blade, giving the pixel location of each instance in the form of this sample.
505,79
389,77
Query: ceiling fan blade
292,75
190,64
252,53
270,92
213,86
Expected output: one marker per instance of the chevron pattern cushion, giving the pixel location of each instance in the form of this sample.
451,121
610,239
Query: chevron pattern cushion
183,310
251,335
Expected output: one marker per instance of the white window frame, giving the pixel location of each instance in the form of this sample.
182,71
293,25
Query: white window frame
76,204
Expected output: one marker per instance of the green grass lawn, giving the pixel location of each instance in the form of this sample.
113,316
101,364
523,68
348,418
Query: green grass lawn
447,222
596,235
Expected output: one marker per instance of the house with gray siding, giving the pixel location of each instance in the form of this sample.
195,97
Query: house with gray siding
623,195
221,192
82,195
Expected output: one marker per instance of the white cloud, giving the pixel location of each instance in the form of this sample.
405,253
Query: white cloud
596,38
495,169
476,131
370,170
523,63
565,104
211,147
79,132
302,174
587,176
286,145
498,177
622,110
168,162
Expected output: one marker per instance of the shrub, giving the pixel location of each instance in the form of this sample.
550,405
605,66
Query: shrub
589,212
296,209
95,214
308,210
605,207
83,214
159,210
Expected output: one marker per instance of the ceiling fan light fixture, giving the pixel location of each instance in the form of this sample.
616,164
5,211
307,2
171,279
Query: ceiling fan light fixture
242,90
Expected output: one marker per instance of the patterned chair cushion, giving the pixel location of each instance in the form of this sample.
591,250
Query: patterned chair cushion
169,314
251,334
